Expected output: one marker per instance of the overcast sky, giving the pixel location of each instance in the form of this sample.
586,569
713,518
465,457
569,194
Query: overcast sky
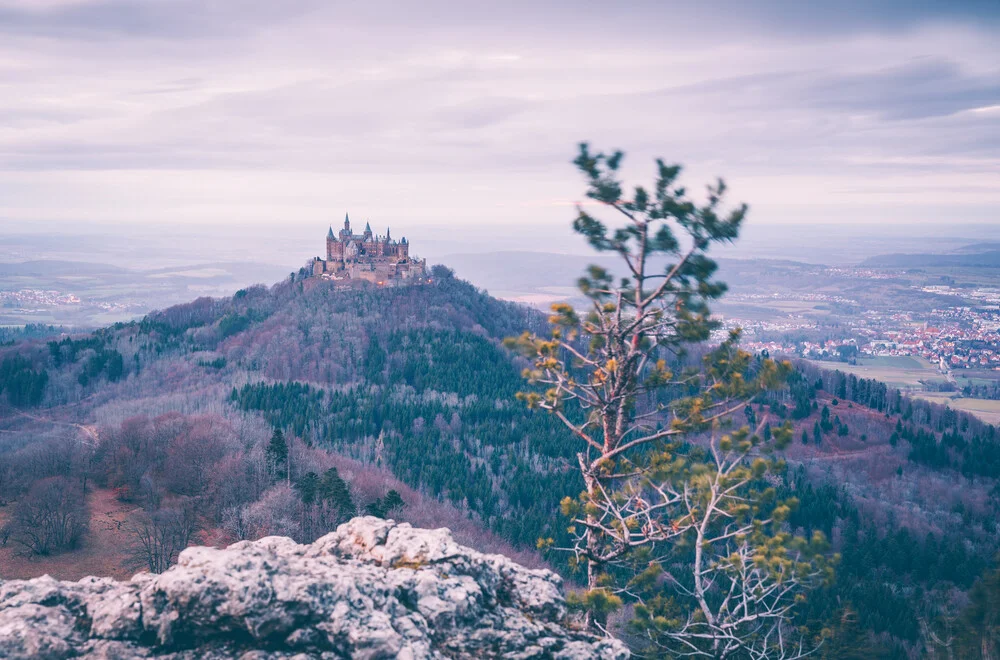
155,112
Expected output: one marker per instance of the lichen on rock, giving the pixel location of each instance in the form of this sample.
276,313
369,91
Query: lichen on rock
372,589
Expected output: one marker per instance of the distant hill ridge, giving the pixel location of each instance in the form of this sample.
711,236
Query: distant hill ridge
57,267
987,259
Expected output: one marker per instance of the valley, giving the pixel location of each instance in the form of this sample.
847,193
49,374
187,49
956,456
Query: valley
537,330
407,390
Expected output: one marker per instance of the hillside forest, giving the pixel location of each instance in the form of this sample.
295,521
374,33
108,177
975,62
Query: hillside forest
289,409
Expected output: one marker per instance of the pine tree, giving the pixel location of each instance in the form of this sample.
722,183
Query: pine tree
393,502
308,487
609,373
334,490
277,453
384,506
979,625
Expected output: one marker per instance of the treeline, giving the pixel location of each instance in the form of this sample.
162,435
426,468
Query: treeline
413,379
102,360
26,372
11,334
474,454
23,384
939,436
984,391
888,577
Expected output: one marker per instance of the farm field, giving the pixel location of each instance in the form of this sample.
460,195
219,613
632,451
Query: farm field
902,371
975,377
987,410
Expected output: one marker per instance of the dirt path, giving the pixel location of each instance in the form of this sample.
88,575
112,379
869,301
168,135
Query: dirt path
88,430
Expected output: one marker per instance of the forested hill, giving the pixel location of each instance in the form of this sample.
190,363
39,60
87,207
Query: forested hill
412,380
410,389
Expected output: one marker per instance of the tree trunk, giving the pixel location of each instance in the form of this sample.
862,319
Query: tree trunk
592,621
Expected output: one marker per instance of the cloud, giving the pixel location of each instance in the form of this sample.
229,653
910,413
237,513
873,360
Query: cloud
462,110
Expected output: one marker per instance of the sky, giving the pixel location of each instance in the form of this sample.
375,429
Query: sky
466,115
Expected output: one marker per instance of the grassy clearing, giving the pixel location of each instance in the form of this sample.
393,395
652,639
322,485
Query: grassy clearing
987,410
104,552
898,371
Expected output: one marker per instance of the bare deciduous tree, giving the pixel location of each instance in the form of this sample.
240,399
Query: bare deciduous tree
160,535
51,517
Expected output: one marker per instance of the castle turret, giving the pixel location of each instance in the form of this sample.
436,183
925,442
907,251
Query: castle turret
347,222
368,231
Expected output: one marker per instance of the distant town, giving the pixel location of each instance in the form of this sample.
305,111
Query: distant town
958,337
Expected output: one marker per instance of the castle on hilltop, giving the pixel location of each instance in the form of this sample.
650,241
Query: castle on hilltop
366,256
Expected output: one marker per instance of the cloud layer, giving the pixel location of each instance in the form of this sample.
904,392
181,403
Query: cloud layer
458,113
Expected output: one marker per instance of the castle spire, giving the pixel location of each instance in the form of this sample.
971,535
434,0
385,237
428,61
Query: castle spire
329,234
347,221
368,227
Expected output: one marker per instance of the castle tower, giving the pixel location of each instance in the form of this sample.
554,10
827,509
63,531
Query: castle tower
345,233
368,231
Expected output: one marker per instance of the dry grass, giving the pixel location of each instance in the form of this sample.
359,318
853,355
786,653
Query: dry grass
105,549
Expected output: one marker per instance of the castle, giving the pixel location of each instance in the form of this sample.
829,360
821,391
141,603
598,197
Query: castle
376,259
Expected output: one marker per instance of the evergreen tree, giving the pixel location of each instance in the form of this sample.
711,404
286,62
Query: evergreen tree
334,489
648,498
384,506
308,487
393,502
849,641
277,453
979,624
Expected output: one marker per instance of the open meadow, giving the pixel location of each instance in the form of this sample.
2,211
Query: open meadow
987,410
904,372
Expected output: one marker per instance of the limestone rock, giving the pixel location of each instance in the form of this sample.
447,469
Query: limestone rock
372,589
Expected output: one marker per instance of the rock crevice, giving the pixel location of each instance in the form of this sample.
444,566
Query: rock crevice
372,589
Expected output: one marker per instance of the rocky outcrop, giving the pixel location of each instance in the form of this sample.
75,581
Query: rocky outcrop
372,589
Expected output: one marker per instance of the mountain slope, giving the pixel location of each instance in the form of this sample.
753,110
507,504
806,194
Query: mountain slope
408,389
412,380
